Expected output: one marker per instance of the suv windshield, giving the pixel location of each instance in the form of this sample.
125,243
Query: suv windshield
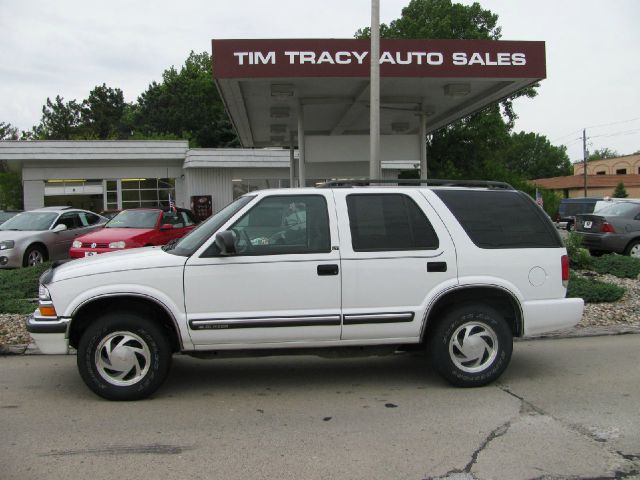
134,219
30,221
191,242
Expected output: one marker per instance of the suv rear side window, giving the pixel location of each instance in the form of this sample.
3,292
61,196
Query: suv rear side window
501,219
385,221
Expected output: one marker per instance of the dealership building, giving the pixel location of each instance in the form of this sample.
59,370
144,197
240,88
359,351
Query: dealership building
301,111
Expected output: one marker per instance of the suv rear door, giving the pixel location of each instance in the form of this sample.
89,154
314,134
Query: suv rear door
395,253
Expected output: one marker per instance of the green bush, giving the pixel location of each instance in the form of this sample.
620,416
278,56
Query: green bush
593,291
579,258
18,287
618,265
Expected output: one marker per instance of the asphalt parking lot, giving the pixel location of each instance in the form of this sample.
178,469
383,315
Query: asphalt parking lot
564,409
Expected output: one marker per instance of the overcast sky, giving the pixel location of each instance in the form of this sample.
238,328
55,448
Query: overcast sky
67,47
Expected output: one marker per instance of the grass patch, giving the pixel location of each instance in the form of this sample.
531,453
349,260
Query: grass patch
618,265
17,287
593,291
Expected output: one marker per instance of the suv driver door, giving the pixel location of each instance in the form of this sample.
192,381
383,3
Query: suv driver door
281,285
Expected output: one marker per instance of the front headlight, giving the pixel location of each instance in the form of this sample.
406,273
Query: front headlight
76,244
43,293
6,244
119,244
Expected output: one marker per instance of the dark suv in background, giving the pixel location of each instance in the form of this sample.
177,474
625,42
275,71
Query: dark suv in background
570,207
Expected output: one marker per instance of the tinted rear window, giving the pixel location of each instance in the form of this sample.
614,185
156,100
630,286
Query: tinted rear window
381,222
501,219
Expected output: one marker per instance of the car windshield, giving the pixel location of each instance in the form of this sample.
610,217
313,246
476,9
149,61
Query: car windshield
30,221
619,209
134,219
192,241
4,216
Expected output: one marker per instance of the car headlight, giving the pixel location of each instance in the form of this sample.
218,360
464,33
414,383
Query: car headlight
6,244
119,244
43,293
76,244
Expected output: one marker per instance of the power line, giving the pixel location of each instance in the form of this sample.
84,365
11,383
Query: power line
596,126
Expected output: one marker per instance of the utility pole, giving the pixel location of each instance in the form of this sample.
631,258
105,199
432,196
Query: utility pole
585,154
374,91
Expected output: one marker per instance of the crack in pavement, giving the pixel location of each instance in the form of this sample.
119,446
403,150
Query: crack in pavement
632,459
527,408
465,473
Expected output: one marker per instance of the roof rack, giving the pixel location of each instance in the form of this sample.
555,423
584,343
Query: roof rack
348,183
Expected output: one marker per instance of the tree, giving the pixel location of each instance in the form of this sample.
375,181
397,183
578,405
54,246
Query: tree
620,191
185,104
60,121
531,155
10,190
8,131
103,113
602,154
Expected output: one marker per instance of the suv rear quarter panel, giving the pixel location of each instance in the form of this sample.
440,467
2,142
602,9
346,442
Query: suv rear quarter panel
531,273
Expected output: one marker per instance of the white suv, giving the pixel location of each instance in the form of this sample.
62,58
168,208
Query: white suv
460,270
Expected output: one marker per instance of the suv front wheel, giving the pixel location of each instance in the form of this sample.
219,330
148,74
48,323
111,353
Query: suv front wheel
124,356
471,346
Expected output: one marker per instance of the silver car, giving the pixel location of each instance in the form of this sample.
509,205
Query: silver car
43,234
614,228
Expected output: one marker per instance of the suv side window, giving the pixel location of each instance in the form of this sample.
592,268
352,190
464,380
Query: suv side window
284,225
501,219
385,221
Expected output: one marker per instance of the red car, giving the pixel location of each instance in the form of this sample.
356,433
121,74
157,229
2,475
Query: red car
133,228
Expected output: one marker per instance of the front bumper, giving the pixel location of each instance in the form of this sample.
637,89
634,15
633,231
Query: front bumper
542,316
49,333
11,258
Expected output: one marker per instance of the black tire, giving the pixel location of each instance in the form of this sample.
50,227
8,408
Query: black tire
596,253
126,344
34,255
633,249
488,343
571,227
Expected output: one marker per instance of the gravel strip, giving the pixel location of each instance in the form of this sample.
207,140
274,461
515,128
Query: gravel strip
620,317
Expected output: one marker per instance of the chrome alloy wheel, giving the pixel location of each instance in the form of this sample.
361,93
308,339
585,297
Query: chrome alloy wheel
35,257
635,251
122,358
473,347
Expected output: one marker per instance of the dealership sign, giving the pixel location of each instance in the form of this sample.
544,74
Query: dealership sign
398,58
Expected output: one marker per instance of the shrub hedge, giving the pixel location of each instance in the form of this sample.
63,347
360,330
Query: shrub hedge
618,265
18,287
593,291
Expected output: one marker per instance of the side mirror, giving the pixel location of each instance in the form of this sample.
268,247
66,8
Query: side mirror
166,226
61,227
225,241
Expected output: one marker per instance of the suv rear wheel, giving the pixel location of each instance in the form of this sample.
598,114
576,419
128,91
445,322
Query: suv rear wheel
124,356
471,346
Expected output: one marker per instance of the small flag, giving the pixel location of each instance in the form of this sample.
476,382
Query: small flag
539,199
172,204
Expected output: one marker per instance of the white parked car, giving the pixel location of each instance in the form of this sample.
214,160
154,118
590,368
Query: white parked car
459,271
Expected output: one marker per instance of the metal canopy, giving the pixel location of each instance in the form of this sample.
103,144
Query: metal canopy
264,84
